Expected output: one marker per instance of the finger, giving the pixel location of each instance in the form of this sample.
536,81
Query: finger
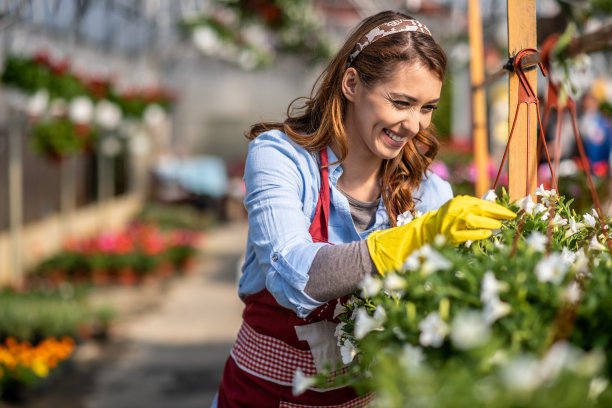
471,235
477,221
493,210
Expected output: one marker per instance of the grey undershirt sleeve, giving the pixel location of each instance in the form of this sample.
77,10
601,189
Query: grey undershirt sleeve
350,264
337,270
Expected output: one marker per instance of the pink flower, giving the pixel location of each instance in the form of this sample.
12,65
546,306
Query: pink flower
440,169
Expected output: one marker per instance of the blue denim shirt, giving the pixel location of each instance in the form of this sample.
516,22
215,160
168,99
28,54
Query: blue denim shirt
282,187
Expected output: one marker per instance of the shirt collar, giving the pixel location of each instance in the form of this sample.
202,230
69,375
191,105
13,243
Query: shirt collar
335,170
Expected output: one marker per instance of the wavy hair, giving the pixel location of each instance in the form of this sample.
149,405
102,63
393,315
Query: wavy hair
319,121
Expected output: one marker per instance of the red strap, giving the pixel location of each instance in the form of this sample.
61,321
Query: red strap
318,228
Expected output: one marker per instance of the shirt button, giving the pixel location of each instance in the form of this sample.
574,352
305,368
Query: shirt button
274,258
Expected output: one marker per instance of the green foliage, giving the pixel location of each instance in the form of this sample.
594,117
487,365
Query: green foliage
59,137
35,316
169,217
522,319
442,117
251,33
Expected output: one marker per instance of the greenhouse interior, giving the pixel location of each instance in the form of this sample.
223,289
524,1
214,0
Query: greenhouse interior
419,190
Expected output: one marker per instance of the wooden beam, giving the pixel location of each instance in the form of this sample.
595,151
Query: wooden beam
479,108
522,160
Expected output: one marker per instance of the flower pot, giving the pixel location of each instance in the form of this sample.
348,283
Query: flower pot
165,270
187,266
127,277
100,277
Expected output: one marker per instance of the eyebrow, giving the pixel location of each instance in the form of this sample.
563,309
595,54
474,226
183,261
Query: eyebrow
410,98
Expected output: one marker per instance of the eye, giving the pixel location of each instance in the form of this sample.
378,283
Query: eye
402,104
430,108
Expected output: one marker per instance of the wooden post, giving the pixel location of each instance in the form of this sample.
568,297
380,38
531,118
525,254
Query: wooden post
522,160
479,108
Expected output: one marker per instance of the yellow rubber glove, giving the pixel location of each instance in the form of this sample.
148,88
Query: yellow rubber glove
461,219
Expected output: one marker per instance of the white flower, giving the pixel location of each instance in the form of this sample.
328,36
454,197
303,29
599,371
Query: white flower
418,213
428,259
154,115
339,329
110,146
58,107
572,293
468,243
37,103
540,208
412,356
404,218
490,196
469,330
81,110
595,245
301,383
545,194
597,386
339,309
526,204
559,220
433,330
568,256
521,374
537,241
551,269
370,286
498,244
582,261
394,282
495,309
107,114
589,220
433,260
365,324
560,355
491,287
439,240
206,40
348,352
413,261
574,227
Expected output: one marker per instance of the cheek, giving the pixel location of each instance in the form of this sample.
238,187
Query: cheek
426,120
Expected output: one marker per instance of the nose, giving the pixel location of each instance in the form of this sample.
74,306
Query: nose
411,124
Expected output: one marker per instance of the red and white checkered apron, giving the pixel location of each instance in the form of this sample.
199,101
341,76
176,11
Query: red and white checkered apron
268,352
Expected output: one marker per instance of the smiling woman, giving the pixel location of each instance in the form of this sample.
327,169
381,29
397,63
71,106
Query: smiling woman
323,192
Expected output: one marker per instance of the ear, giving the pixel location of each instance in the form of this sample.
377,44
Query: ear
350,83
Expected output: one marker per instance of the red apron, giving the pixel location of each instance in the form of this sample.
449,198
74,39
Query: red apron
273,343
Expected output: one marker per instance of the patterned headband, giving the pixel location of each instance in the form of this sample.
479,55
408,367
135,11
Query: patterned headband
383,30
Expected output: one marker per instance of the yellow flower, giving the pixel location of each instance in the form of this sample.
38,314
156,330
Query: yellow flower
40,368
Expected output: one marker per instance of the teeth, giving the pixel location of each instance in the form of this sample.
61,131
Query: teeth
393,136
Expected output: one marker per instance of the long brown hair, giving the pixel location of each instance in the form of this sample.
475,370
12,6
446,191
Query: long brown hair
319,122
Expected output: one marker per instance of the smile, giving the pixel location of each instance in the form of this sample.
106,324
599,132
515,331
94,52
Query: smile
394,136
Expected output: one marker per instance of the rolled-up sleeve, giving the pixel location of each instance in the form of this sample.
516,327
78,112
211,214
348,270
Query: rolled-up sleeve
278,225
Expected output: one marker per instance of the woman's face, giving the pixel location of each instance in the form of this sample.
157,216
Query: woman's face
382,119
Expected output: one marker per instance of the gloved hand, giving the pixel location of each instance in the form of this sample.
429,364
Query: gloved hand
461,219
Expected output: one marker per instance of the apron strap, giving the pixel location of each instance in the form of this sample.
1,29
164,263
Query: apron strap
318,228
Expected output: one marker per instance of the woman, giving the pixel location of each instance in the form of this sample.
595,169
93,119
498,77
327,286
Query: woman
323,193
